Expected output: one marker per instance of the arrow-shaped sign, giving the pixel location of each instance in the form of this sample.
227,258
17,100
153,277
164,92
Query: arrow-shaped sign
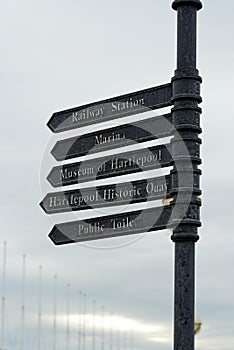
109,166
108,195
147,220
112,108
102,140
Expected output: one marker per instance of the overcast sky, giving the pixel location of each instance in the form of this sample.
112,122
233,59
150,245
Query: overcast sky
58,54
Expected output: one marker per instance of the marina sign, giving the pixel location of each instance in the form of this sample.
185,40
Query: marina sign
103,140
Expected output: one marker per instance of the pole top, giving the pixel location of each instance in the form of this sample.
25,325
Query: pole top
177,3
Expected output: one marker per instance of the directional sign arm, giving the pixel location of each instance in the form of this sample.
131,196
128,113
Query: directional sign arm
147,220
108,195
109,166
112,108
106,139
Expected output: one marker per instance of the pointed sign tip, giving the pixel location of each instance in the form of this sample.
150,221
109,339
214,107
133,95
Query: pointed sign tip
58,238
49,124
52,236
49,178
55,154
42,205
52,123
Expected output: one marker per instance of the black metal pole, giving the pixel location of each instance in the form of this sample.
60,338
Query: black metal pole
185,173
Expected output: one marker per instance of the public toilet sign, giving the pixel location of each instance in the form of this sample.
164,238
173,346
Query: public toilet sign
148,220
112,108
109,166
108,195
119,136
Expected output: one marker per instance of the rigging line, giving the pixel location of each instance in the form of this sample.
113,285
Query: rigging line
111,331
79,319
3,296
102,330
39,308
55,313
68,318
23,304
83,322
94,325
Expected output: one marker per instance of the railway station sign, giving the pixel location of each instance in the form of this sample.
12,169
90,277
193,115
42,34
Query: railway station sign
112,108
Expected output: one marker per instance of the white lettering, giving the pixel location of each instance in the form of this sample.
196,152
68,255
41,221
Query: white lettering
86,229
101,140
87,113
128,104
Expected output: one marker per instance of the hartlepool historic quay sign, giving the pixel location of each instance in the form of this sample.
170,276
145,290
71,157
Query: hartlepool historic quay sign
112,108
109,166
108,195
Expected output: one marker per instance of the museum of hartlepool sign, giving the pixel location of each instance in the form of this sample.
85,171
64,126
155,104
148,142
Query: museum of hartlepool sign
109,166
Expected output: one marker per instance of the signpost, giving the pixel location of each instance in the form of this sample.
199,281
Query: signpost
112,108
110,166
182,185
103,140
